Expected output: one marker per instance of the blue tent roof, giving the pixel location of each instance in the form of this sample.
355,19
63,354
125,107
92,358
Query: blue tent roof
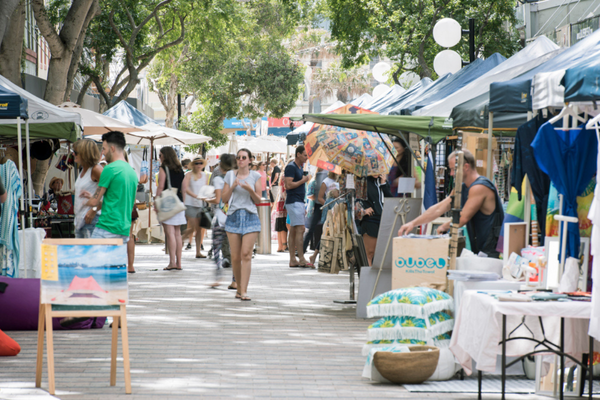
125,112
581,81
515,95
386,106
12,105
457,81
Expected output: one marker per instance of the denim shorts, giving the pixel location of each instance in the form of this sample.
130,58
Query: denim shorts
100,233
85,232
242,222
296,212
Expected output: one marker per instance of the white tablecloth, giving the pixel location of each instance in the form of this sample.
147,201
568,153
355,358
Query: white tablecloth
461,286
478,328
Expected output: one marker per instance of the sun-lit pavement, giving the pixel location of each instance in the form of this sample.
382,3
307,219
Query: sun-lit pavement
190,341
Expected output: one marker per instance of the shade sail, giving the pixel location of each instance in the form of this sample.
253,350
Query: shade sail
390,124
97,124
514,95
46,121
125,112
581,82
455,82
534,54
12,105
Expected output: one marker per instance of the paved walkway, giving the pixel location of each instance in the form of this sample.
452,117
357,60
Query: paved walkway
190,341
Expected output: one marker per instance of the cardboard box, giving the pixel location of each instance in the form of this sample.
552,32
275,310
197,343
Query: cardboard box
419,262
477,143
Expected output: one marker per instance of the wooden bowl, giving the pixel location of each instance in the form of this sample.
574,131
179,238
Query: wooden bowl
407,368
140,206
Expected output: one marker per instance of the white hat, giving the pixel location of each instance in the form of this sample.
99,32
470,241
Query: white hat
207,192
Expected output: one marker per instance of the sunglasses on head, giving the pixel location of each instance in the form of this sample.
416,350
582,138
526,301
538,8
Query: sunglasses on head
241,158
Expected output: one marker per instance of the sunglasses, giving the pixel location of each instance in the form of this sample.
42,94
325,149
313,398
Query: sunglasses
241,158
198,163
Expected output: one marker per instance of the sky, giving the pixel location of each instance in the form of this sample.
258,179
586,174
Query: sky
93,256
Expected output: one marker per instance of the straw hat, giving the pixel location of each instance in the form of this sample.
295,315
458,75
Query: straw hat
56,178
201,160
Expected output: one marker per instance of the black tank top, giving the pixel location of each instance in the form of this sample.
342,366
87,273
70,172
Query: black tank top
176,181
484,230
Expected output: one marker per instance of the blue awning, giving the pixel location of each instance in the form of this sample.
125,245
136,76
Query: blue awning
582,82
12,105
125,112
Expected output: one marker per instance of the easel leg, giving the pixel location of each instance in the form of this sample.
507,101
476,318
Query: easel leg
49,348
113,351
125,346
40,347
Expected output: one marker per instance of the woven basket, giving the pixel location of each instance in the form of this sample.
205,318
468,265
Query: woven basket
407,368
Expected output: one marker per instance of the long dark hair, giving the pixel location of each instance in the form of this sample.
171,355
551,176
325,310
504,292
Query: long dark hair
170,160
405,163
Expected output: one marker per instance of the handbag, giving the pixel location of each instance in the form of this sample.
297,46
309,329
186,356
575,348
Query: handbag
329,248
168,204
205,216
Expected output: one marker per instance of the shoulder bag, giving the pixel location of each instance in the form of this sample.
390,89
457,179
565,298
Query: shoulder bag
168,204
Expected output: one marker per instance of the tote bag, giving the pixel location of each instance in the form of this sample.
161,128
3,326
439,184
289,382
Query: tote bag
168,204
144,171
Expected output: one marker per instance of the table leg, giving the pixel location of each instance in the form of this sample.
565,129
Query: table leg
591,366
562,358
479,379
503,355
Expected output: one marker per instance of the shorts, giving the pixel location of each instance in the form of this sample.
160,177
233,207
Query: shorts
192,212
296,212
100,233
242,222
280,225
86,231
370,227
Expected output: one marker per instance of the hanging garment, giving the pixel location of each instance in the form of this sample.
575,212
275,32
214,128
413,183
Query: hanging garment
594,216
524,163
9,233
568,157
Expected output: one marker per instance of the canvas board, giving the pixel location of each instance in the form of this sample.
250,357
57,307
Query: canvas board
84,272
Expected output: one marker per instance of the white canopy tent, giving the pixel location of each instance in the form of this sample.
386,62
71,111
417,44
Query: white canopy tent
536,53
95,123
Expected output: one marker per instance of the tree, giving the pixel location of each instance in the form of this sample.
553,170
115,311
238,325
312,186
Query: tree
62,43
403,30
11,51
336,81
132,34
7,8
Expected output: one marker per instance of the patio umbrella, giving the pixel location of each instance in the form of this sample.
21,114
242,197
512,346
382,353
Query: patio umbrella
97,124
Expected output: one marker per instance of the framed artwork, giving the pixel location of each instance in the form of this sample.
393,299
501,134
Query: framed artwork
435,224
84,272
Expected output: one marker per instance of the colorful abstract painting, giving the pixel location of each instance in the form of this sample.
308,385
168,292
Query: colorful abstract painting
84,274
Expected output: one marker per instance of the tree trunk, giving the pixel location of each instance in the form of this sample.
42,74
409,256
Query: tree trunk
83,90
74,66
172,101
7,9
11,49
61,45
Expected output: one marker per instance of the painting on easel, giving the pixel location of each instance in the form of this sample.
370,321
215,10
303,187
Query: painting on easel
84,274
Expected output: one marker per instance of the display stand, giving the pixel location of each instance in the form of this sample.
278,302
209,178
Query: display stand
49,311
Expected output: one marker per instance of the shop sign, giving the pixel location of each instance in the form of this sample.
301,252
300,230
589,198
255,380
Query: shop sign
583,29
283,122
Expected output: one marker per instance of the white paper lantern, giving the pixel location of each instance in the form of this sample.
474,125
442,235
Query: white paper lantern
380,90
408,78
447,32
447,62
380,71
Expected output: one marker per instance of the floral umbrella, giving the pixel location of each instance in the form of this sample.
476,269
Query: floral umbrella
359,152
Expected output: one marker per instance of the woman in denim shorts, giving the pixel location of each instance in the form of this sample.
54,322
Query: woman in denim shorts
242,189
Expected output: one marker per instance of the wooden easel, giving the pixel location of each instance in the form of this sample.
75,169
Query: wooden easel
49,311
45,320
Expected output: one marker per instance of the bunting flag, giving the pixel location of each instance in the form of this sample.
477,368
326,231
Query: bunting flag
429,195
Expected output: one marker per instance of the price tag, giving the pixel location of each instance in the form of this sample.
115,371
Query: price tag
349,181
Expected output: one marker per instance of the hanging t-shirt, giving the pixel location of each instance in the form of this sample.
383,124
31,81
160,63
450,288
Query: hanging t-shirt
569,158
120,181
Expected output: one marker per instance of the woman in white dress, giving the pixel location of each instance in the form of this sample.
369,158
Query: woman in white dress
87,155
193,182
168,161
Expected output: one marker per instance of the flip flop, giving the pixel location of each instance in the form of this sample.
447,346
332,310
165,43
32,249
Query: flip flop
131,272
171,269
309,265
245,298
238,295
230,287
295,266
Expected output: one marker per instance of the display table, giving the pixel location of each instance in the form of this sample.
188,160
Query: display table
485,327
462,286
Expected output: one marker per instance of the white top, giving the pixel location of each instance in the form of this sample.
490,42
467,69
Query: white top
218,183
547,90
478,328
194,186
240,198
594,216
330,185
86,183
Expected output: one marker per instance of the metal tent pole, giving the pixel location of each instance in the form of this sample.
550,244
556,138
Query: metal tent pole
29,184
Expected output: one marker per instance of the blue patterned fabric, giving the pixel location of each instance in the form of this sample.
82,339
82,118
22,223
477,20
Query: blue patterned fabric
415,302
9,234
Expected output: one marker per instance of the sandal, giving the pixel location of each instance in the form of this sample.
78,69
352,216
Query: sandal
231,287
238,295
171,269
245,298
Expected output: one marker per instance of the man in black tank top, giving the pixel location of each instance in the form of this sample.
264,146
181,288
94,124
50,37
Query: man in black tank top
481,209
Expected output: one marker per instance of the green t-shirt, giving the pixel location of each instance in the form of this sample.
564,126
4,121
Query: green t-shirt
120,181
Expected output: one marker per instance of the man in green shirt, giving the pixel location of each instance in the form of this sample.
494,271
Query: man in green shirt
116,190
